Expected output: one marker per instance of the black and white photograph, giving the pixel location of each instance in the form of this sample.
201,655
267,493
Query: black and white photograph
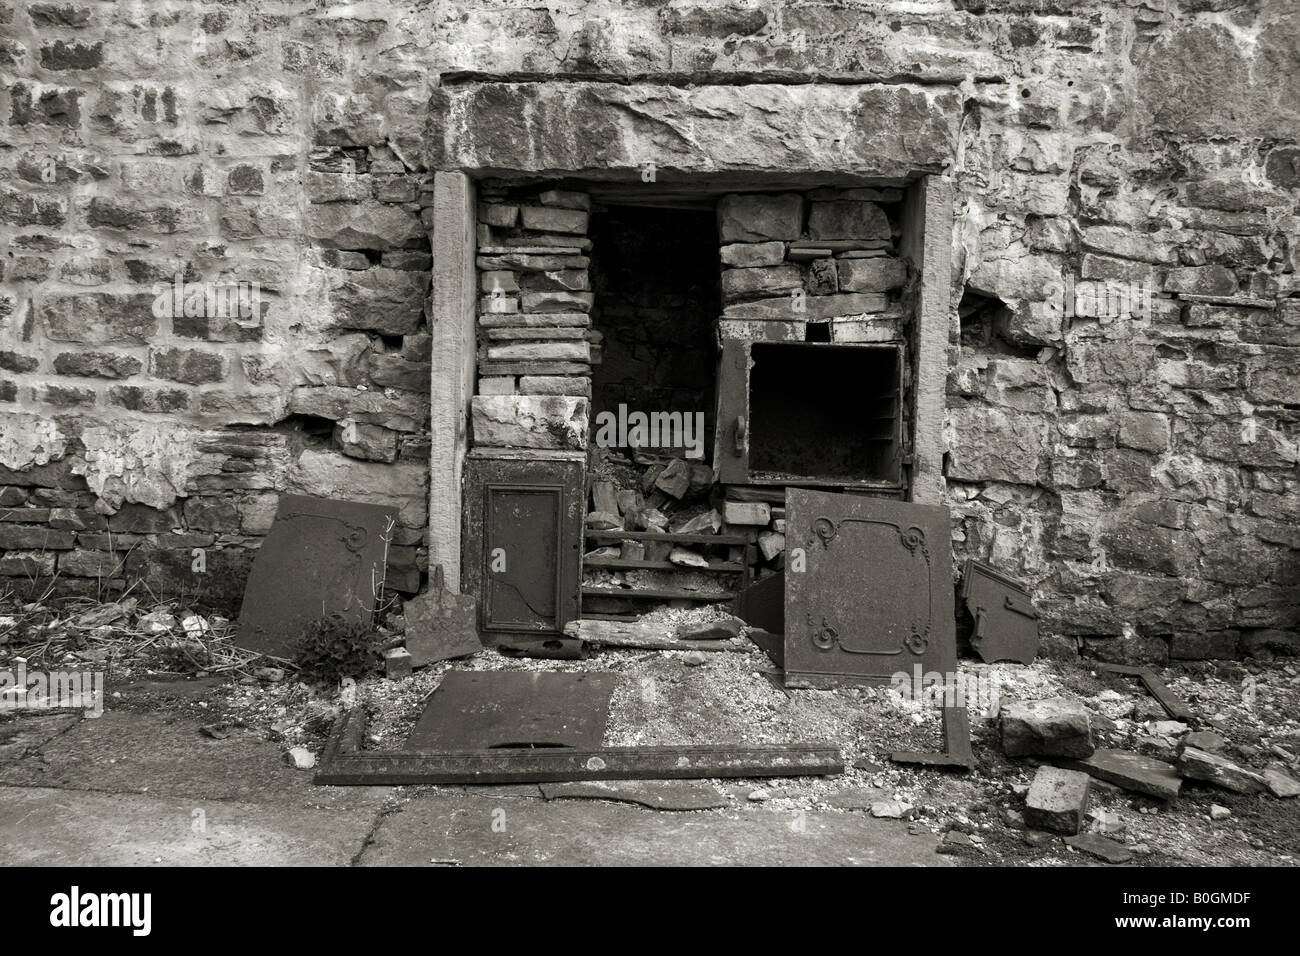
452,434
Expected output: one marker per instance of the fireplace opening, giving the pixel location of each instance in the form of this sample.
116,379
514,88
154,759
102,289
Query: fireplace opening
654,274
824,413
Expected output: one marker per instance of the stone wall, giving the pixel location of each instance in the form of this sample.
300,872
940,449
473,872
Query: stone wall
534,323
1139,471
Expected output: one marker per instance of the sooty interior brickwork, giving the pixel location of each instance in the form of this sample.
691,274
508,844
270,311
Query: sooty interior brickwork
655,277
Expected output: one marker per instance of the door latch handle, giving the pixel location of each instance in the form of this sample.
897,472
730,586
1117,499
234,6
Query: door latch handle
1014,608
742,436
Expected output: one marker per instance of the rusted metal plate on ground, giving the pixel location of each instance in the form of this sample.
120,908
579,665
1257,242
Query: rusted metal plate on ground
345,764
320,557
875,597
1006,624
441,625
482,710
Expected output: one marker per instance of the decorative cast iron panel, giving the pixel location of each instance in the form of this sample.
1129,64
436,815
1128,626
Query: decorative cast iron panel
320,557
875,596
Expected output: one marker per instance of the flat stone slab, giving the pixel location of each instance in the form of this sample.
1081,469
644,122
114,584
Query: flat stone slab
654,794
596,833
1136,772
1103,848
132,752
42,826
1196,764
1280,781
1206,740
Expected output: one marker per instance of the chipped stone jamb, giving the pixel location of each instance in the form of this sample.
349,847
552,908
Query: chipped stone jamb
451,327
927,244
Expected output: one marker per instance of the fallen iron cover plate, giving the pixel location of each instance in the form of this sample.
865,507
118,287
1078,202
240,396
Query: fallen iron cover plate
320,557
441,625
481,710
1006,624
875,597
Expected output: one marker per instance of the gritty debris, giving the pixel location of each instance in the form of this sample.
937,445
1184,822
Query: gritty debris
660,700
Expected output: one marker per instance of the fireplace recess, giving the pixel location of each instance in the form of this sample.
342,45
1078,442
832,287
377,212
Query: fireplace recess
811,413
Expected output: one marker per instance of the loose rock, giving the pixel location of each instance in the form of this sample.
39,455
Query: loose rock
1196,764
1057,800
1056,727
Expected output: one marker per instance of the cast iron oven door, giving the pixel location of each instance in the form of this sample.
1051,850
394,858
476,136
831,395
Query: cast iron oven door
523,531
809,413
875,597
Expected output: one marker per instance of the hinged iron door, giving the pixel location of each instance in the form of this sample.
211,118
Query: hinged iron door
875,596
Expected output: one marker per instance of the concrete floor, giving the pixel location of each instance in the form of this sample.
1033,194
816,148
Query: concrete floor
137,788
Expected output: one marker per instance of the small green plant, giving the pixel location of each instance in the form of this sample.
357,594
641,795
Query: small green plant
333,648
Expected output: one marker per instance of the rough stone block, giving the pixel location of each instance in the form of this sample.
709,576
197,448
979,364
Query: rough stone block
92,564
397,663
815,308
498,215
554,219
743,283
528,421
565,198
388,301
555,385
822,277
847,219
99,318
1201,280
742,254
878,274
1146,431
540,352
573,280
366,442
96,364
369,225
770,544
1058,727
492,280
500,385
556,300
675,479
18,537
1103,848
1057,800
993,444
757,513
753,217
188,366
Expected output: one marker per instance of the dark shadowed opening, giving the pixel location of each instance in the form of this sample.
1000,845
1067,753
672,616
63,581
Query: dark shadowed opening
824,411
655,274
